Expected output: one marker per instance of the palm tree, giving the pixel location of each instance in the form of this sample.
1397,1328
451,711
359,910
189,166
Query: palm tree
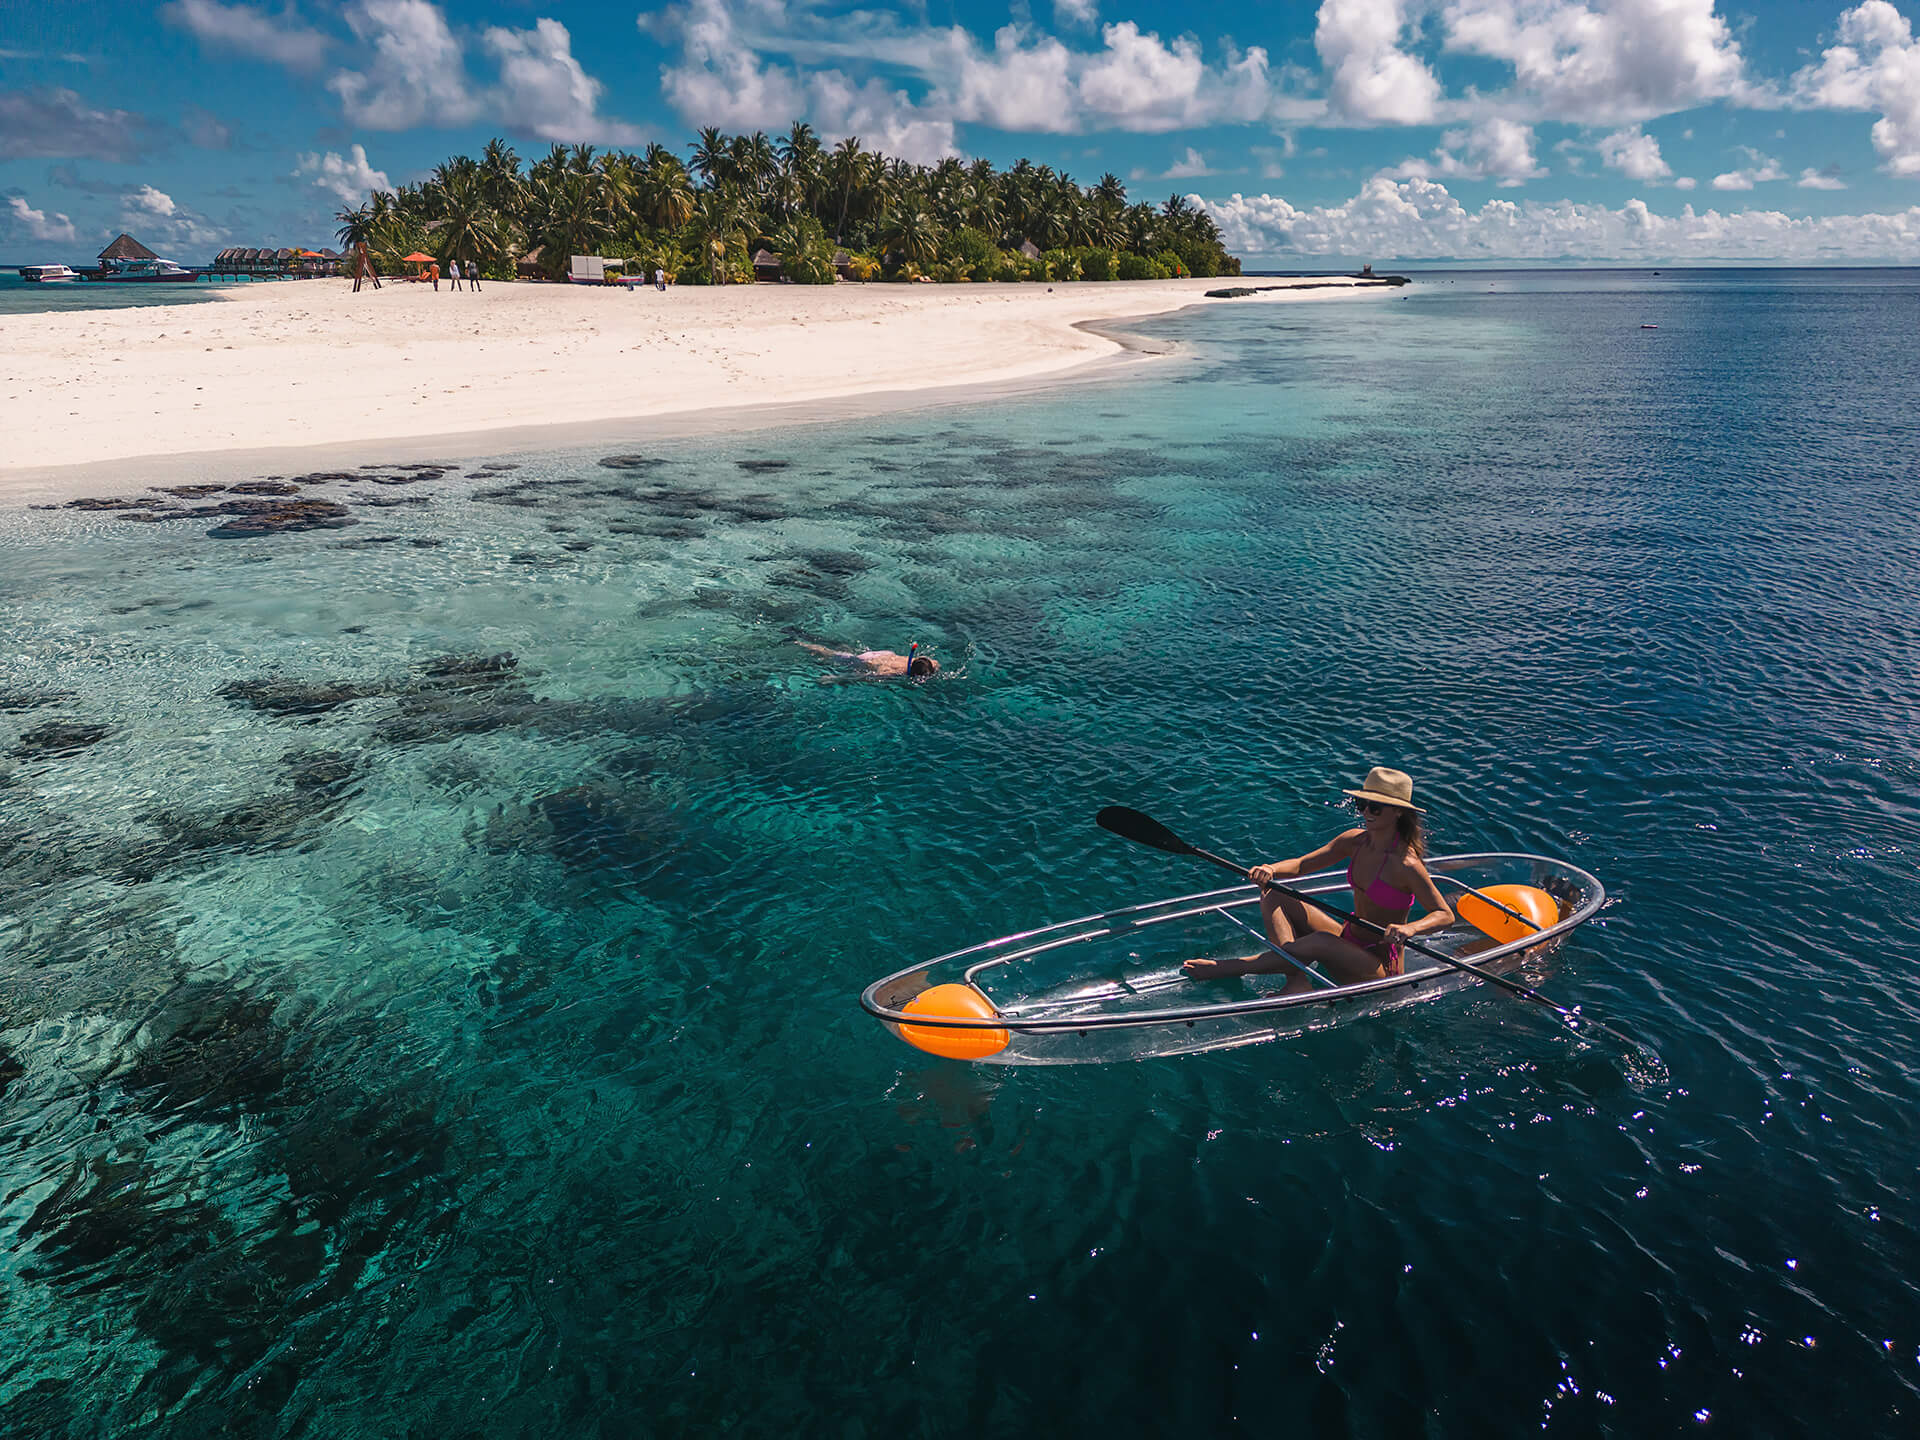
849,168
469,229
722,211
567,215
709,156
356,226
911,234
665,195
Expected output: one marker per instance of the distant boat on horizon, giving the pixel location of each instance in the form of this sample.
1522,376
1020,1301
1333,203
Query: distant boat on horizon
49,274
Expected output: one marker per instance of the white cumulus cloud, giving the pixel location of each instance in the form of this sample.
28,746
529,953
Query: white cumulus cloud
1634,155
163,222
544,90
1420,220
284,39
760,66
1758,170
1076,12
1495,149
37,224
416,75
350,177
1874,66
1190,166
1603,61
1811,179
1370,79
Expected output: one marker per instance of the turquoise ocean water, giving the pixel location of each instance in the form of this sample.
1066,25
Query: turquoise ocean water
397,1047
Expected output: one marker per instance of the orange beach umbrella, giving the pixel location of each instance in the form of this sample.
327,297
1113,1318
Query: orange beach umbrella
416,258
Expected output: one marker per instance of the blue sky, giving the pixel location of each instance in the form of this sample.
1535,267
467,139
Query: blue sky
1353,129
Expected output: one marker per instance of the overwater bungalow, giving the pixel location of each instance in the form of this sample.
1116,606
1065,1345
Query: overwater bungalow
126,260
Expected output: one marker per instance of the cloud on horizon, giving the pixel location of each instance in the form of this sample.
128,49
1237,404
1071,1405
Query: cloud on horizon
1417,219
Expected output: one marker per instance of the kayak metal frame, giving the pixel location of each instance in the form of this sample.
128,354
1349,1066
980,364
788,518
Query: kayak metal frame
1113,923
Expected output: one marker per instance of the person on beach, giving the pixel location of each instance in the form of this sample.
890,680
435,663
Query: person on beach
876,664
433,273
453,270
1387,873
659,279
473,276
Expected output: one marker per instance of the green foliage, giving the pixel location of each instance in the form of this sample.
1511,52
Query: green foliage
1061,265
1097,263
806,255
957,220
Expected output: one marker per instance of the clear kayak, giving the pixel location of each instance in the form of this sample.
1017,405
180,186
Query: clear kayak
1109,987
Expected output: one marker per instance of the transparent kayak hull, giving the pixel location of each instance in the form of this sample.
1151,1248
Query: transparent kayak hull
1109,987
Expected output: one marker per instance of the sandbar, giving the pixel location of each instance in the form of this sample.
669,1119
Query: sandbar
273,367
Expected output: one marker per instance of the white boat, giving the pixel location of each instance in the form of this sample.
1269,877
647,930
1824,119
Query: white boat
1109,987
49,274
154,271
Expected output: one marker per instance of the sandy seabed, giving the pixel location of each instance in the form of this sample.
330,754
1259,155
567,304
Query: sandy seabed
299,364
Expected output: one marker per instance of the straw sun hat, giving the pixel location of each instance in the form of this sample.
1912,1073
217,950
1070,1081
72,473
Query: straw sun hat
1387,787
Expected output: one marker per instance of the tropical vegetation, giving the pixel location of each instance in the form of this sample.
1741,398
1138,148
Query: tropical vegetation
821,210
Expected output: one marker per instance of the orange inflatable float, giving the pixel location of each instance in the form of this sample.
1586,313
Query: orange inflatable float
954,1002
1527,900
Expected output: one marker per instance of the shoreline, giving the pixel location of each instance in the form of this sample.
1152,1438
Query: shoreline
307,376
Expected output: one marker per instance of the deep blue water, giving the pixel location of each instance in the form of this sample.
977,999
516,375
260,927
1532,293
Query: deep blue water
478,1056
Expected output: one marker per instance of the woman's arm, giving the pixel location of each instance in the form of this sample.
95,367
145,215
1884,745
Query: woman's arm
1439,914
1338,848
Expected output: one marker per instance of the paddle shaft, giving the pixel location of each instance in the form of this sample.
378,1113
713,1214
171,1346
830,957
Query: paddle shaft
1526,992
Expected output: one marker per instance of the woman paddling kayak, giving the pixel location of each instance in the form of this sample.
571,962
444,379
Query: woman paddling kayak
1386,873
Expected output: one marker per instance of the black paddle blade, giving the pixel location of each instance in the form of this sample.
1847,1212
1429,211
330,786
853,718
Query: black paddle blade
1144,829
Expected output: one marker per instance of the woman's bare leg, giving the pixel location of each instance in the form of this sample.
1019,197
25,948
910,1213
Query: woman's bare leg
1286,921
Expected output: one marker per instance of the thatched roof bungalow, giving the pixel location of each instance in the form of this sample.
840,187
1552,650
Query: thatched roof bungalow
1029,249
530,266
125,247
766,265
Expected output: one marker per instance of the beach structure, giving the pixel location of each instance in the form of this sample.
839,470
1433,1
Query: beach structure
124,247
527,267
126,260
1029,249
766,265
586,270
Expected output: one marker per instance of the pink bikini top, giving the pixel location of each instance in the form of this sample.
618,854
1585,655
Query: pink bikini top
1382,894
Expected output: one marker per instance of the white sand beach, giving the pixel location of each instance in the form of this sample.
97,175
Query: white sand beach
308,363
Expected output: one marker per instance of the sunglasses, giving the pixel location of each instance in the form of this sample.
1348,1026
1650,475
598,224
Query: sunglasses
1371,807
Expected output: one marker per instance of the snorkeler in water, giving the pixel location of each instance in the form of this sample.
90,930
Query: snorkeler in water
876,664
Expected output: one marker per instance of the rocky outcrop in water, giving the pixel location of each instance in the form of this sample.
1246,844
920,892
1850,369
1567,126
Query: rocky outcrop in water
269,517
14,701
58,738
443,674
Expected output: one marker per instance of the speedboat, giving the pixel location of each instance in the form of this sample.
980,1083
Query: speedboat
49,274
154,271
1110,987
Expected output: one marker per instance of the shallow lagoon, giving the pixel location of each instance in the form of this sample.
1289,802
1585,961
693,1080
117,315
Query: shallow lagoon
468,1046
